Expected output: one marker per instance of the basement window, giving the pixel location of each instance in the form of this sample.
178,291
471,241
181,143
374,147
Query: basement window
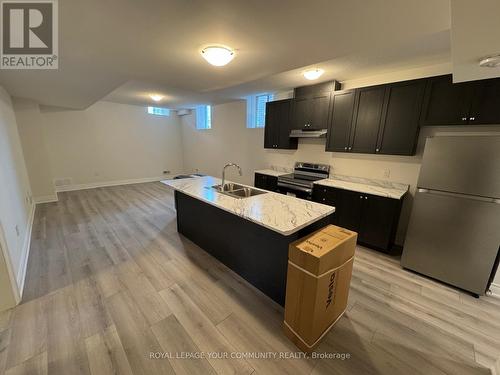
203,117
159,111
256,109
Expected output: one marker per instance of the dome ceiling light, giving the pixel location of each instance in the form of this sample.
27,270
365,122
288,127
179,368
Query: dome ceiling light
312,74
218,55
156,97
490,62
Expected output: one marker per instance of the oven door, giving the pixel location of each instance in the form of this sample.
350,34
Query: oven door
294,190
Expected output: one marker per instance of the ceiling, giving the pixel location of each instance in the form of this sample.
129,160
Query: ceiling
475,35
123,50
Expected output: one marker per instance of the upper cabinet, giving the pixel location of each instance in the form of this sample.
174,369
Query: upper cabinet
311,106
380,119
485,104
366,121
277,129
448,103
338,136
399,127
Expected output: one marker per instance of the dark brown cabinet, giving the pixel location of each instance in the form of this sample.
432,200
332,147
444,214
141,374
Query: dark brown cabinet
366,121
485,104
266,182
311,106
380,119
338,136
399,128
374,218
379,220
277,129
446,103
468,103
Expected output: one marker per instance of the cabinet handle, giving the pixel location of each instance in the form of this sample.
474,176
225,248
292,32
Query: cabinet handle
345,148
350,148
324,199
377,150
472,118
464,118
360,197
366,197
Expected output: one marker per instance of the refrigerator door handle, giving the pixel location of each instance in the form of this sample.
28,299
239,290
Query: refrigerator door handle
465,196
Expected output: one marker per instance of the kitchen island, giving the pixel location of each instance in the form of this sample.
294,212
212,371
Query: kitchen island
249,235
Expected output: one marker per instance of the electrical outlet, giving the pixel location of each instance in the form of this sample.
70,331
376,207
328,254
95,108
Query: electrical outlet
387,173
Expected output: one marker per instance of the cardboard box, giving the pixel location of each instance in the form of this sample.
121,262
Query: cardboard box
318,280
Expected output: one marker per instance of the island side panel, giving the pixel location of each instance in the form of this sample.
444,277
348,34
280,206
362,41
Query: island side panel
256,253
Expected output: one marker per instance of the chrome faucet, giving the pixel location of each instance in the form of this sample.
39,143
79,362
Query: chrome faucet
223,184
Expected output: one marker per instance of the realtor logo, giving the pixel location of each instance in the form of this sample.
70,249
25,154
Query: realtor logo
29,37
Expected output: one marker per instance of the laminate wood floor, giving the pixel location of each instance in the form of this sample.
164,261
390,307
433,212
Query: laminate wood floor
112,288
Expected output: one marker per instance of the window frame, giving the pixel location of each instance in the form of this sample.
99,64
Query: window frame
253,110
158,111
203,117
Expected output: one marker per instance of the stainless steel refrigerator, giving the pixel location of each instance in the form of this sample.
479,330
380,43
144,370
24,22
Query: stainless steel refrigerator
454,229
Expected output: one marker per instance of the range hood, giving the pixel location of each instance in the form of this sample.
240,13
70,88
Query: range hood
297,133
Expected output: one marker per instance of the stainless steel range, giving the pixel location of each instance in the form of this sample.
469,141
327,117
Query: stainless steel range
300,182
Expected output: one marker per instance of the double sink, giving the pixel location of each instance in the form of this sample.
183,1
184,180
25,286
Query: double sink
237,191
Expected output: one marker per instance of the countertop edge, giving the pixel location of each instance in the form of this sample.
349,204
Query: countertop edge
331,182
270,172
284,233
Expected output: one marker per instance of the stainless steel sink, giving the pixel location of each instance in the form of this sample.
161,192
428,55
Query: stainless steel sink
230,186
237,191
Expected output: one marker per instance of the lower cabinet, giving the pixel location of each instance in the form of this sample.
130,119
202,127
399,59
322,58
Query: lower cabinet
266,182
374,218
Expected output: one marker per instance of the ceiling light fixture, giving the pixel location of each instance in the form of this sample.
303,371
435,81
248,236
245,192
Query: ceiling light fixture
217,55
156,97
490,62
313,74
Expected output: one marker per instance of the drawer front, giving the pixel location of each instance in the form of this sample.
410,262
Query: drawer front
324,194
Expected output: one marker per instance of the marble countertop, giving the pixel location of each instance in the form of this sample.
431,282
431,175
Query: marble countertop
280,213
368,186
271,172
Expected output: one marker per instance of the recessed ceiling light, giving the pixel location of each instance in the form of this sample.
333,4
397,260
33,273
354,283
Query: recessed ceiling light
217,55
156,97
490,61
313,74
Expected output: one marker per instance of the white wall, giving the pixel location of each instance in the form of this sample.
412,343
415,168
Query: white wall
15,199
31,128
106,143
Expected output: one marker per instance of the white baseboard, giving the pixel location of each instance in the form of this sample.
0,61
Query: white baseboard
46,199
94,185
495,290
23,262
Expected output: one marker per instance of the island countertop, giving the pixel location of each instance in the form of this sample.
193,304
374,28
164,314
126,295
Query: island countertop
280,213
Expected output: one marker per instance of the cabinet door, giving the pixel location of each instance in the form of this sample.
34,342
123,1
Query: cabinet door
485,108
349,206
320,109
271,183
400,121
260,181
378,221
271,129
277,130
339,128
446,103
326,195
283,140
301,113
368,113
